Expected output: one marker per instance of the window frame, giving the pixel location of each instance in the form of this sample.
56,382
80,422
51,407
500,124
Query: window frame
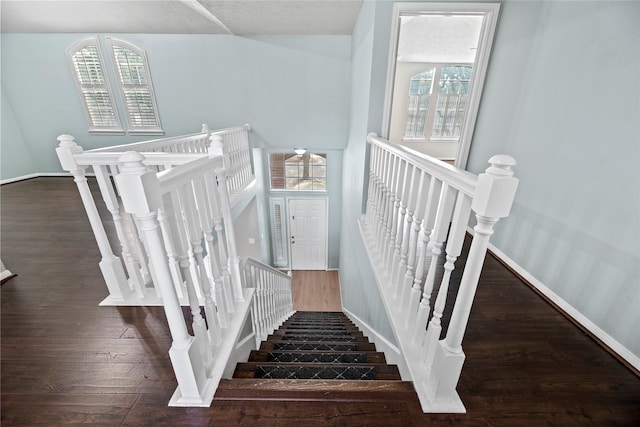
490,12
123,87
284,171
71,52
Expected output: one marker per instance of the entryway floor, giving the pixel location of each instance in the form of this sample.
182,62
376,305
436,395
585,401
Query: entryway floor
316,290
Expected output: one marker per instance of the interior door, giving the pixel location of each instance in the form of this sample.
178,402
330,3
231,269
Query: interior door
308,234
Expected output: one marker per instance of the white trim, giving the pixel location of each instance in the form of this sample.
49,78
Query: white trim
5,274
490,12
571,311
33,175
391,351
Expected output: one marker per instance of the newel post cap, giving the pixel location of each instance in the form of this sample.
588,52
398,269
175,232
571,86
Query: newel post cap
137,185
501,165
66,149
496,188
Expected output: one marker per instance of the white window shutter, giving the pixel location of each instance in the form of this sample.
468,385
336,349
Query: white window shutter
279,246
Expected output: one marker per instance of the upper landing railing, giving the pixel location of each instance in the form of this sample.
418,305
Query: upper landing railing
170,204
418,211
133,284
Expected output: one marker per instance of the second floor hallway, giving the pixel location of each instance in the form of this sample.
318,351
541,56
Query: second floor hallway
66,360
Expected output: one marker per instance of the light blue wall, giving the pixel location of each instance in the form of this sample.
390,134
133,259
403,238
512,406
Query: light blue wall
359,290
16,160
563,97
293,90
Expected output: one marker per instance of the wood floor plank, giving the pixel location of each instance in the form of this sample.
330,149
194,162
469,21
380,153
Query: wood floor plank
316,290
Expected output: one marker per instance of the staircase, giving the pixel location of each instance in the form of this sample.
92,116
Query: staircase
316,356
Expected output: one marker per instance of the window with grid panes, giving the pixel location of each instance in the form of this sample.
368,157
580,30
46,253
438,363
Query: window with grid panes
438,102
133,79
93,86
135,85
298,172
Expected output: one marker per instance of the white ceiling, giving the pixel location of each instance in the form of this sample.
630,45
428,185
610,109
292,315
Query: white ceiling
240,17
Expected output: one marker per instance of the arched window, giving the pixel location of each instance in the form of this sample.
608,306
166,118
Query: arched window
420,88
436,111
134,80
93,85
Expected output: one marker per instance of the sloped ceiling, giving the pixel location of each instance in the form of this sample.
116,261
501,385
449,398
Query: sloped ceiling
240,17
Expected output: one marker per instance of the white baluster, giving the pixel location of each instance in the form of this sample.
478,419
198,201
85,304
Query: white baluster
222,278
412,259
372,188
407,241
207,211
110,265
400,258
453,250
438,216
166,216
394,203
234,260
113,206
196,237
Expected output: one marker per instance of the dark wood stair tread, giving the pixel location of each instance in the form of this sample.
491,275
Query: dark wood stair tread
317,346
317,339
315,332
283,356
314,390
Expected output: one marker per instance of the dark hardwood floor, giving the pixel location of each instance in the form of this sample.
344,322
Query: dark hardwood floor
67,361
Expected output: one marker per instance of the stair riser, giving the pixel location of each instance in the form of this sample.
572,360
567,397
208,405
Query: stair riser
354,371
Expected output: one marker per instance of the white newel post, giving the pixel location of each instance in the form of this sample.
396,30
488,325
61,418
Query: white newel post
110,265
493,199
140,192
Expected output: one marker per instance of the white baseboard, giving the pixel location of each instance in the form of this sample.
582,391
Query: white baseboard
391,352
19,178
33,175
5,274
567,308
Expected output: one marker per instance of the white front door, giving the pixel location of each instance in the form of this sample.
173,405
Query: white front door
308,234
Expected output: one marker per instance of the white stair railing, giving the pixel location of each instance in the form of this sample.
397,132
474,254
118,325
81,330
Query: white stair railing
273,302
181,215
418,210
233,145
133,285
